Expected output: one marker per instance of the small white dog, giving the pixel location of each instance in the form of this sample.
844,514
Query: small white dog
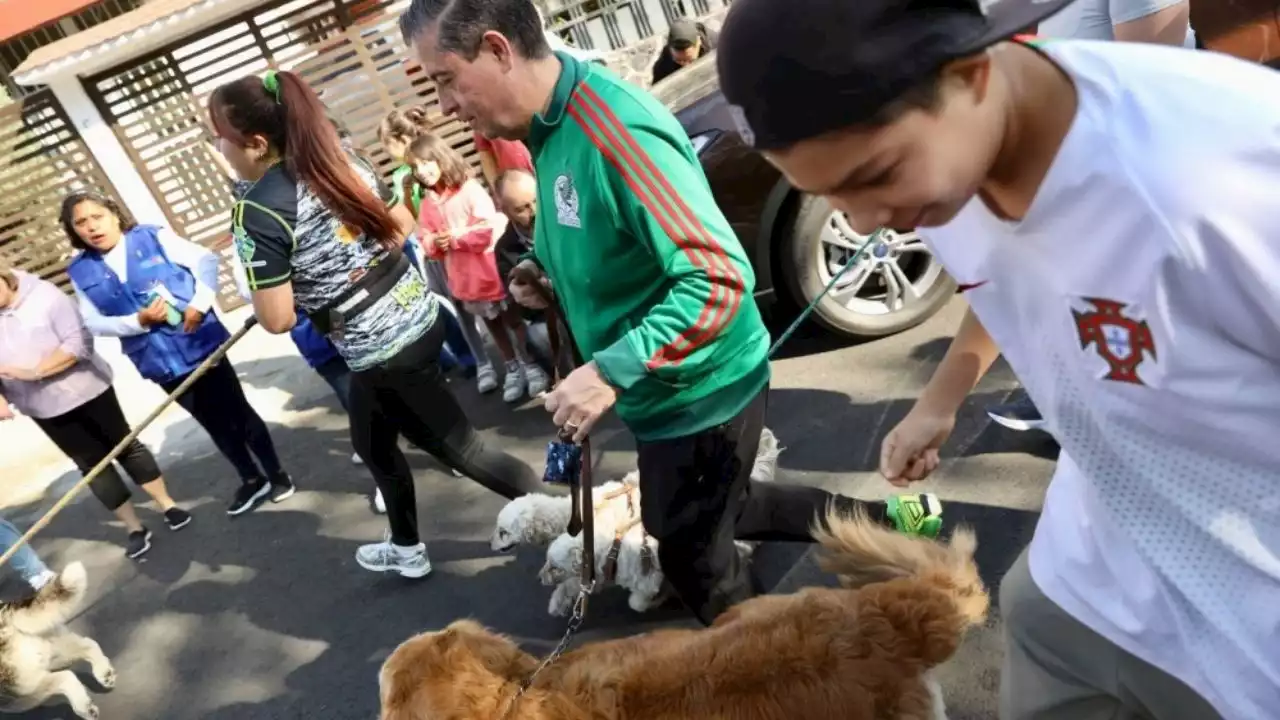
637,568
643,578
537,519
36,648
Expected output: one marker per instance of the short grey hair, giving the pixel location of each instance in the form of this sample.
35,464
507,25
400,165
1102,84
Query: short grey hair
462,24
500,182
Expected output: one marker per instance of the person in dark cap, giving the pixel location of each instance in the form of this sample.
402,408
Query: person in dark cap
687,40
1109,211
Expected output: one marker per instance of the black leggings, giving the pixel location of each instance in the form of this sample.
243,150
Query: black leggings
87,433
697,497
217,402
407,396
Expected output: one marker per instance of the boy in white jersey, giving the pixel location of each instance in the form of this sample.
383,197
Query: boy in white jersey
1109,210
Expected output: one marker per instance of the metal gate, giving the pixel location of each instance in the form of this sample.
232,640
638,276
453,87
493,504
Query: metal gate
42,159
349,51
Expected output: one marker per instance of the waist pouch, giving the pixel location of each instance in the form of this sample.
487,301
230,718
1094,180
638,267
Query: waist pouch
366,291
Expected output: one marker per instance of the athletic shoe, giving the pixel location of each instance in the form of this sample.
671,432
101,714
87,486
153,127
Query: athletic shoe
282,488
410,562
486,378
248,495
42,579
537,379
1021,415
513,385
379,504
177,518
139,543
915,514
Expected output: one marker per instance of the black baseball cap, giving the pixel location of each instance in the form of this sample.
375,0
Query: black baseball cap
797,69
682,34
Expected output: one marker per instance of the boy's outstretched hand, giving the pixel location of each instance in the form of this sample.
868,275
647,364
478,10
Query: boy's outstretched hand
910,451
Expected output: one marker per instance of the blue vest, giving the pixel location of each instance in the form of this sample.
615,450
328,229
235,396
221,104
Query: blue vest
164,353
315,348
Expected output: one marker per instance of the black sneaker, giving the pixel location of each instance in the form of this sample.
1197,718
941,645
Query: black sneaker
282,488
248,495
177,518
1021,415
139,543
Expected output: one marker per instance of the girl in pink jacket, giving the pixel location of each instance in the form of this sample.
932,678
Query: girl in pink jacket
459,225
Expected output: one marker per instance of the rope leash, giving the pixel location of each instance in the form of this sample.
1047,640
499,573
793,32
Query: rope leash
120,447
581,490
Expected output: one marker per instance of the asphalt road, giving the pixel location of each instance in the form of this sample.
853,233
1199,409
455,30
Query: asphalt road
268,616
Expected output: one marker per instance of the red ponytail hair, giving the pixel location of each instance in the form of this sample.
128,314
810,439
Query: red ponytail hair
297,124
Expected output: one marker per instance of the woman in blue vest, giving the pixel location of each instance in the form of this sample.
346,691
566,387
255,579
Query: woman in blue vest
154,291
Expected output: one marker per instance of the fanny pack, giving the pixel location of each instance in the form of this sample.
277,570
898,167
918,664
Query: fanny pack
369,289
375,283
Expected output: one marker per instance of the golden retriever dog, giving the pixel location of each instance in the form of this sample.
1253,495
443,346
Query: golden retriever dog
860,652
36,648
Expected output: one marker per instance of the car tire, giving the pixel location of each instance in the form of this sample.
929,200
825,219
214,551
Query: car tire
805,278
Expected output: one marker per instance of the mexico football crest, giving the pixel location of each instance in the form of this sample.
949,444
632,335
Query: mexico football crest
567,202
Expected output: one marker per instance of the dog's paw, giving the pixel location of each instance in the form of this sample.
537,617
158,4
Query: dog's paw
106,678
87,712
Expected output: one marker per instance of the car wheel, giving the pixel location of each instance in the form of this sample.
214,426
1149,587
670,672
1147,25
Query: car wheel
895,284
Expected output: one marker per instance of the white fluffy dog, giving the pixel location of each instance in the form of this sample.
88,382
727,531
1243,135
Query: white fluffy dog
537,519
647,585
637,568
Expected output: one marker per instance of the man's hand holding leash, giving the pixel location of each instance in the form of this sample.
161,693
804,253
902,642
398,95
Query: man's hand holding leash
580,400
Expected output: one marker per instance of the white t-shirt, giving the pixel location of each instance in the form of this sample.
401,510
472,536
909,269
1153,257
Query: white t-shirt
1139,302
1096,19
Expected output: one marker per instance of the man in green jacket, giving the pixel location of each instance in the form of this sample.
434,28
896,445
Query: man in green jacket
655,288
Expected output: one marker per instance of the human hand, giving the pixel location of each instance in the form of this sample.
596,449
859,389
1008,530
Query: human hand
154,314
6,412
443,240
580,400
910,451
523,291
9,372
191,319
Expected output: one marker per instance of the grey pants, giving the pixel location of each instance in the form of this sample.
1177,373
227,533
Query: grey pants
1055,668
439,284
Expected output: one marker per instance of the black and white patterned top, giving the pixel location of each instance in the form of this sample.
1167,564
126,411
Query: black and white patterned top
287,235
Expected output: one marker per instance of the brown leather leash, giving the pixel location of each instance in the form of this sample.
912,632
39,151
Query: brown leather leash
582,513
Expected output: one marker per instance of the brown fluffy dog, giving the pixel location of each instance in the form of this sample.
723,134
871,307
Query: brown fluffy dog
858,653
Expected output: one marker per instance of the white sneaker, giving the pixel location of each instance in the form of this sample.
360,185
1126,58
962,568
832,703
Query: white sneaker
42,579
513,386
356,459
379,505
537,379
486,378
410,562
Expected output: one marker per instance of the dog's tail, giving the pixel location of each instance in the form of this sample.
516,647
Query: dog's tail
51,606
931,589
766,465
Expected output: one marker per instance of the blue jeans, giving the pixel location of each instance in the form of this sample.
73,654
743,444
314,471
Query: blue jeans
338,375
25,561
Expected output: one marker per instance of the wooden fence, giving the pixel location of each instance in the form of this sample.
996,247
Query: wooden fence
42,158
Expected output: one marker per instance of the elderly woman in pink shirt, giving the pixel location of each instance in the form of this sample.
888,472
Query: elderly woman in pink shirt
50,373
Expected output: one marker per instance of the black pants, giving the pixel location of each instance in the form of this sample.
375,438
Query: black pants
697,497
408,396
217,402
88,433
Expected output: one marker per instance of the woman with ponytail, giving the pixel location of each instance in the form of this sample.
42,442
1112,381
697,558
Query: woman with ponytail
315,234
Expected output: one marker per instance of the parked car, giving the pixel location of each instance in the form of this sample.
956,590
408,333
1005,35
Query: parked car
797,241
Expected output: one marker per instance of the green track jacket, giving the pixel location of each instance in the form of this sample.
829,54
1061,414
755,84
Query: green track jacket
654,285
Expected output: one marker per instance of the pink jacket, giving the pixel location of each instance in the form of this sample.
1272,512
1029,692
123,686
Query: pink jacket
474,226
